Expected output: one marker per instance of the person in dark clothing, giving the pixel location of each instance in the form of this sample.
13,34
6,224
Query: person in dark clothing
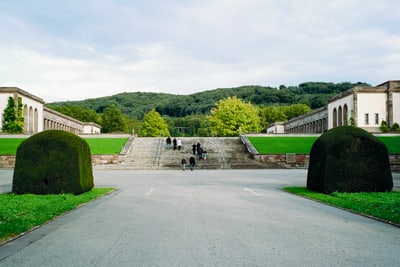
174,142
199,150
192,163
183,162
168,142
200,153
194,147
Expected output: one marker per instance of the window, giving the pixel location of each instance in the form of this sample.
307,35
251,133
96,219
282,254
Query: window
376,118
366,119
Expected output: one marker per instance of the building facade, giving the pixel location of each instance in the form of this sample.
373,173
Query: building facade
38,118
362,106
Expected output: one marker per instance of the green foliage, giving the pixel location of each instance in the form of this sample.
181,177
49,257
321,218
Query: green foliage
349,159
395,127
271,114
233,117
20,213
384,206
154,125
113,120
53,162
79,113
384,127
13,121
192,125
135,105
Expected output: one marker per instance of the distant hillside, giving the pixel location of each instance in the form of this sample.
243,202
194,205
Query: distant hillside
134,105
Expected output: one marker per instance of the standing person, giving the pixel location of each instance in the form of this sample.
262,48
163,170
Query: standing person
194,148
183,162
174,142
192,163
168,142
200,152
179,143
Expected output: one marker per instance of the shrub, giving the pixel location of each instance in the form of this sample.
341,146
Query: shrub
349,159
53,162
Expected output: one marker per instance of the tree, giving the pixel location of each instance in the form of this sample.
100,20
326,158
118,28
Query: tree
79,113
295,110
113,120
232,116
13,120
154,125
272,114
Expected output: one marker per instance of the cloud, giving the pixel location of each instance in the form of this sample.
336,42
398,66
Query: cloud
76,50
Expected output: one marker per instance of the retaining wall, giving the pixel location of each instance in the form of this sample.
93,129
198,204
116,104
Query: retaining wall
8,161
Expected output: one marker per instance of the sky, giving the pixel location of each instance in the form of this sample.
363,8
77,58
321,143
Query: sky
63,50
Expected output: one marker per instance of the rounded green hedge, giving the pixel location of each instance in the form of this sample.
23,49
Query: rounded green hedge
53,162
349,159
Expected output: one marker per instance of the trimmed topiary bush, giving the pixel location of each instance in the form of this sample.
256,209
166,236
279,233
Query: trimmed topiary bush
349,159
53,162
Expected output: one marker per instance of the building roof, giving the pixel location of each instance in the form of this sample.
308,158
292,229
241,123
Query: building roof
391,85
20,92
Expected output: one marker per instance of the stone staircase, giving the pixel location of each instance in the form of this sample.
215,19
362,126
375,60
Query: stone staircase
148,153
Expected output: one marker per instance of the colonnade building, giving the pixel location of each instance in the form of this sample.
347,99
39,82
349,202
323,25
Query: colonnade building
38,118
362,106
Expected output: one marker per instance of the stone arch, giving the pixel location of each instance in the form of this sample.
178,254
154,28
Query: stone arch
340,116
30,129
345,115
26,118
36,121
334,117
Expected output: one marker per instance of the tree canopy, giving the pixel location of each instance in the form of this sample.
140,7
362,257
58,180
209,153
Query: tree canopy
154,125
113,120
232,117
186,114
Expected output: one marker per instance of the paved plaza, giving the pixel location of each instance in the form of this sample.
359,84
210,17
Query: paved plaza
204,218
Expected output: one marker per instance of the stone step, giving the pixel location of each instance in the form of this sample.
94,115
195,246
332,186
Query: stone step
222,153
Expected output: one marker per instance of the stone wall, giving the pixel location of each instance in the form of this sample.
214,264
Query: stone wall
283,160
8,161
302,160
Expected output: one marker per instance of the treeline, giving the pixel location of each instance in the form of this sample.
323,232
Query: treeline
186,112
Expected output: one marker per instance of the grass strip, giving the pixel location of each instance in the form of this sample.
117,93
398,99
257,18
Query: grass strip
98,146
282,144
383,206
101,146
20,213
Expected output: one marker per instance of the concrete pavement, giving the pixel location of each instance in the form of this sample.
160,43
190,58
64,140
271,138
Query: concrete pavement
205,218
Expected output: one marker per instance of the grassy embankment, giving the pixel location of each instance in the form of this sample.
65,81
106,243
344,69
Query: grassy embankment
383,206
20,213
8,146
302,145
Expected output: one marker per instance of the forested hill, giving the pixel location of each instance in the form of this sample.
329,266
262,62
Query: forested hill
134,105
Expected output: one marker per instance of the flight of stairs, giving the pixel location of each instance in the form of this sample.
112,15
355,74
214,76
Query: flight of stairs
149,153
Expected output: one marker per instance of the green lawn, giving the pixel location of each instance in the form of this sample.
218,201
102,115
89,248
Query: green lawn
283,144
302,145
106,145
19,213
384,206
391,142
8,146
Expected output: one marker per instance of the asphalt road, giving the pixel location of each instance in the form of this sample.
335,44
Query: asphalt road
205,218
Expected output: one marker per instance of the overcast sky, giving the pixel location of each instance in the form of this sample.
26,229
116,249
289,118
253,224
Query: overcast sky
79,49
